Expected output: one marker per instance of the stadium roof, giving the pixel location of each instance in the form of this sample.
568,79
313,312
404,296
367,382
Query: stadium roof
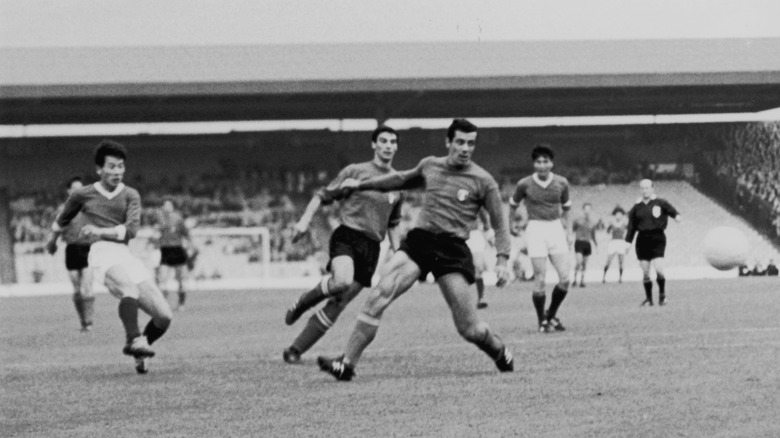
474,79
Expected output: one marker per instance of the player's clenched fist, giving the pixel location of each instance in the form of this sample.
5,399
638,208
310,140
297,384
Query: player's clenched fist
502,275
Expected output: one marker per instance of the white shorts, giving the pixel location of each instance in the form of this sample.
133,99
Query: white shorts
618,246
477,242
546,238
105,255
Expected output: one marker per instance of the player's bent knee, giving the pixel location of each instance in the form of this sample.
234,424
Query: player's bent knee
377,302
339,284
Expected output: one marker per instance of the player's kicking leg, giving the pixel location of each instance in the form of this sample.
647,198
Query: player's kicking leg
401,274
153,302
343,270
455,289
320,323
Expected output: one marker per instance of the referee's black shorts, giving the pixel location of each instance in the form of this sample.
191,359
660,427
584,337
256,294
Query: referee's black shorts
583,247
440,254
363,250
650,245
76,256
173,255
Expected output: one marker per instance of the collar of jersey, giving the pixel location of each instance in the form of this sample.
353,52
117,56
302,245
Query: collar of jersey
110,195
544,184
643,201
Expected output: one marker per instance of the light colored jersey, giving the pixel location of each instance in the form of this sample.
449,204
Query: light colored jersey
369,211
544,200
104,209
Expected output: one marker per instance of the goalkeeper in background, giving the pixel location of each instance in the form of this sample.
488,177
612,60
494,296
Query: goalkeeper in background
365,218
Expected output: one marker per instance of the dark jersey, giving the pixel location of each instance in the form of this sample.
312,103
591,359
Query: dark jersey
650,216
584,228
370,212
71,233
453,197
173,232
544,200
104,209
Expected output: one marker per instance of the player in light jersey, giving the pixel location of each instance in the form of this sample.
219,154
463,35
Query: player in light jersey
618,246
479,242
365,218
174,241
112,212
584,228
455,189
76,254
546,198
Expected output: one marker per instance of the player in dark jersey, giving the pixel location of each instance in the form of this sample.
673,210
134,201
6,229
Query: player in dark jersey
546,198
112,212
455,189
174,241
647,219
584,228
365,218
76,253
618,225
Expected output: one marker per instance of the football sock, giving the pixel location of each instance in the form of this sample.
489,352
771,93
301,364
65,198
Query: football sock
648,284
661,280
480,288
621,273
539,300
558,295
489,343
89,310
78,302
364,332
153,332
128,313
315,329
182,298
316,295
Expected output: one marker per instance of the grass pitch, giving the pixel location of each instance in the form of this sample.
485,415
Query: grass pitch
708,364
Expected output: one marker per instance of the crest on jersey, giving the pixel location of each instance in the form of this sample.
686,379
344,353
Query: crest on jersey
391,197
462,195
656,211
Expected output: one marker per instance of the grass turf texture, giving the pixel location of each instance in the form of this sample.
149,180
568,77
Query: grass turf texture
705,365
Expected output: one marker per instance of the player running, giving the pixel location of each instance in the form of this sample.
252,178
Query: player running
455,189
112,212
174,240
618,225
647,219
76,253
584,228
365,218
546,198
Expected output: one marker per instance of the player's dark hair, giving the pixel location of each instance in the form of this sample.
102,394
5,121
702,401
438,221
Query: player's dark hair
109,148
542,150
380,129
461,125
618,209
72,180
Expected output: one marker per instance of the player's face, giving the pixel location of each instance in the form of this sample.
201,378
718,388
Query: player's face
646,188
587,209
461,148
168,206
543,165
112,172
75,185
385,146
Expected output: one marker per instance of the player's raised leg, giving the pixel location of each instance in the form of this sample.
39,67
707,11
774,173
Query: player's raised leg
152,301
342,272
455,289
122,285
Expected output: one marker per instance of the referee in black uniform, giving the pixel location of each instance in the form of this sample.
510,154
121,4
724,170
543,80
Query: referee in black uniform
647,220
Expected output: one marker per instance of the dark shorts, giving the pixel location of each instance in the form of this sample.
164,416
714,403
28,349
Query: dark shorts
583,247
650,245
363,250
173,256
440,254
76,256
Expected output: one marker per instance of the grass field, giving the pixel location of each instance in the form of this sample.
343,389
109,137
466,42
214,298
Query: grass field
707,365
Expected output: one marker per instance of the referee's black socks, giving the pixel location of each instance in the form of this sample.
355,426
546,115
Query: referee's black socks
648,284
661,280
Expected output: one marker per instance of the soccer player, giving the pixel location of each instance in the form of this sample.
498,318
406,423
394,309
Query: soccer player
647,219
112,212
618,225
584,228
546,198
479,240
76,253
174,241
455,189
365,218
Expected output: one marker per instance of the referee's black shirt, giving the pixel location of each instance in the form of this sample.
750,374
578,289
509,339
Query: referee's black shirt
651,216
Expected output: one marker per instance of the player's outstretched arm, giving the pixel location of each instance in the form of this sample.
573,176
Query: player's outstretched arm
302,226
500,225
